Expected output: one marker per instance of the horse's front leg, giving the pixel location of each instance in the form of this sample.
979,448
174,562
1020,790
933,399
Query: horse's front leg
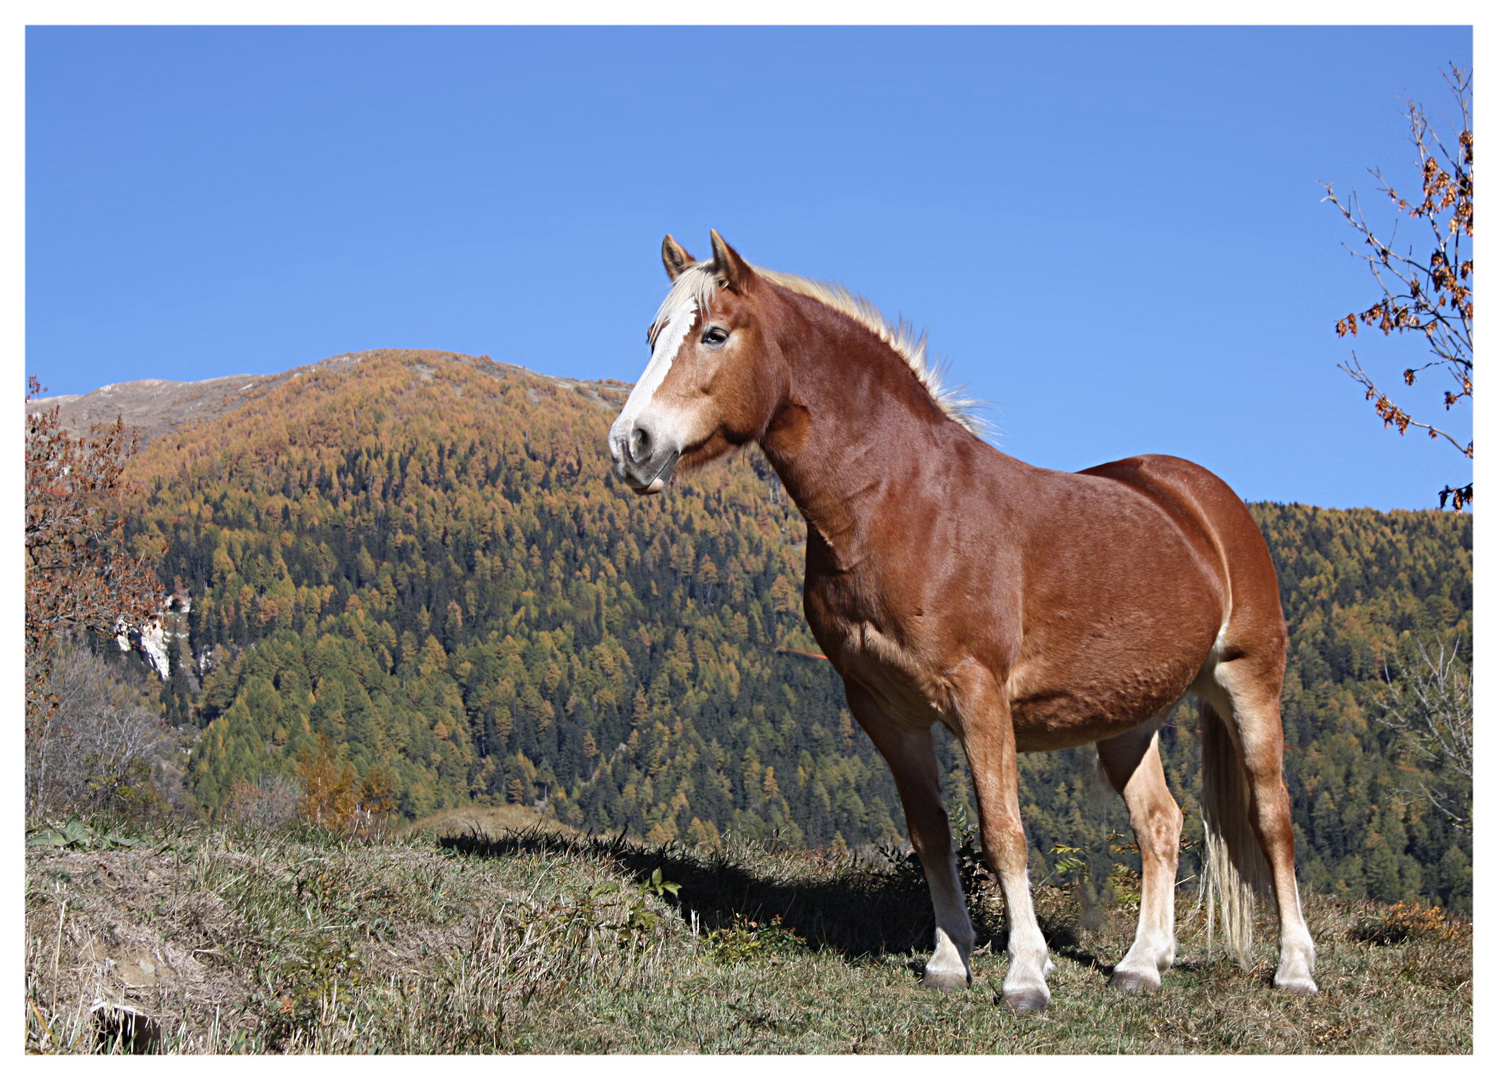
1131,762
987,733
908,749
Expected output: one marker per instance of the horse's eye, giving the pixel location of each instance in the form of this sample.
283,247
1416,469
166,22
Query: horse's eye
714,335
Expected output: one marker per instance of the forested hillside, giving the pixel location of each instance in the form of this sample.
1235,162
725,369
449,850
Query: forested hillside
421,556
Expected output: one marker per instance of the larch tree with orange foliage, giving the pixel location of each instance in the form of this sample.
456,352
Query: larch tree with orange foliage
334,797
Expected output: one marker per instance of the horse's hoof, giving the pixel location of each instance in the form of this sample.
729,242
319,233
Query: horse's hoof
1027,1001
1134,980
1299,987
945,981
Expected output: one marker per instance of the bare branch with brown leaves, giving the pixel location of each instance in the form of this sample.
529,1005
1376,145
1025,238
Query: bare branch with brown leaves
1432,297
80,575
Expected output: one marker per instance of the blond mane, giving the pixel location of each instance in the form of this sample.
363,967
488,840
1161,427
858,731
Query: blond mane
699,283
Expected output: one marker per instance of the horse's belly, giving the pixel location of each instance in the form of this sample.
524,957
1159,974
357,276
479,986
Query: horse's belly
1076,719
1052,709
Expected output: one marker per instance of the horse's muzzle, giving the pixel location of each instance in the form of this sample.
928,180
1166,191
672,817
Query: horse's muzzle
641,459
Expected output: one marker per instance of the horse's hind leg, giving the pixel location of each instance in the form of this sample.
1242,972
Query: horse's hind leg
1131,762
912,759
1245,692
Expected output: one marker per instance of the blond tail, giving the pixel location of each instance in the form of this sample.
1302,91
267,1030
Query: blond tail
1235,870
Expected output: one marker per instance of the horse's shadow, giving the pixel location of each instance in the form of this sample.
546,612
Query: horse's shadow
861,909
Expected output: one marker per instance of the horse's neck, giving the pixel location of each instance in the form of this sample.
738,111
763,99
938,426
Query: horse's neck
858,426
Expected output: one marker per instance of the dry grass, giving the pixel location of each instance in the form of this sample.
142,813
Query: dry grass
484,821
549,942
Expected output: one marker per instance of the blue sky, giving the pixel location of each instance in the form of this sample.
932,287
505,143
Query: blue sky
1113,235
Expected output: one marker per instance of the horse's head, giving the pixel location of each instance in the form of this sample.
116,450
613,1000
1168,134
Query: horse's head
714,377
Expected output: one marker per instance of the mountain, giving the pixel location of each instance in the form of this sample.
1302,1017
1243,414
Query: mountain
155,406
422,558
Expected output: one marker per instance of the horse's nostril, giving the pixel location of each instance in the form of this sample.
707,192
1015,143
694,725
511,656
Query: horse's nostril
639,444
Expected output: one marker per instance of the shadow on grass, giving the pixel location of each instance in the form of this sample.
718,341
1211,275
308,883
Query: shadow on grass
1062,938
857,908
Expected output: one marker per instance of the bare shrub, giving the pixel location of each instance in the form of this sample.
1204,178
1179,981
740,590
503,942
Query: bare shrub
94,750
268,803
1427,702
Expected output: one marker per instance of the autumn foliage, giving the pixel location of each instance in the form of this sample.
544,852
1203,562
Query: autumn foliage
335,797
79,574
81,579
1432,297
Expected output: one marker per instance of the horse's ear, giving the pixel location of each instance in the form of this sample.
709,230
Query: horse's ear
675,257
734,270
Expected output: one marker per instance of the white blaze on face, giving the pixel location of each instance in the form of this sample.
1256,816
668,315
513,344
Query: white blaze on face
668,342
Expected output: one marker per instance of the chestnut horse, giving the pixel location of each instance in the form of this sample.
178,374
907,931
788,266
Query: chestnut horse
1023,608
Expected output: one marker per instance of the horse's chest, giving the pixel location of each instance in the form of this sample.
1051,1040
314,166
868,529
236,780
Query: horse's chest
883,650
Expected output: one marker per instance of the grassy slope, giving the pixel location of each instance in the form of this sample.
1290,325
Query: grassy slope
544,942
